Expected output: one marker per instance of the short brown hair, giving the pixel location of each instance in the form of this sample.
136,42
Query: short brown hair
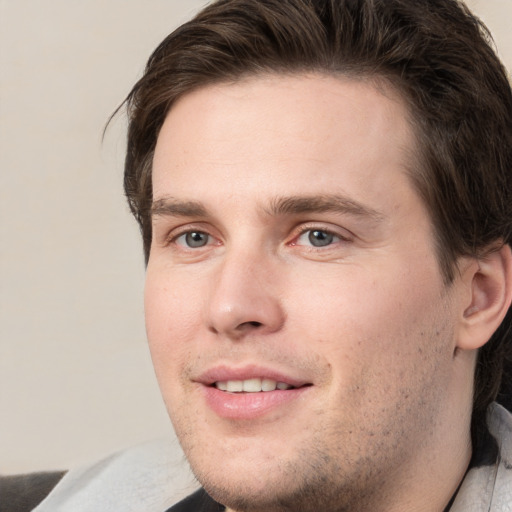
434,52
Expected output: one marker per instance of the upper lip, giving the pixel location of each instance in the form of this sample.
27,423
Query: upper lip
223,373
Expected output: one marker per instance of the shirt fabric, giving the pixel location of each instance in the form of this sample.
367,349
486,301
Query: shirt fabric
151,478
200,501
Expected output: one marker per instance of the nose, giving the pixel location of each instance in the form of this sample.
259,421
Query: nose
244,298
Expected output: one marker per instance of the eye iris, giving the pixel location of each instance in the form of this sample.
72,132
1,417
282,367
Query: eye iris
196,239
320,238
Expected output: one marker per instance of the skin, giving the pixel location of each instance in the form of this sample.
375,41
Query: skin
365,320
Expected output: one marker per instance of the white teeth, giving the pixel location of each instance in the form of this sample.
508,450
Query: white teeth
251,385
223,386
235,386
268,385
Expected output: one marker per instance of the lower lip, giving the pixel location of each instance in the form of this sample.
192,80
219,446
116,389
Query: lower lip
247,406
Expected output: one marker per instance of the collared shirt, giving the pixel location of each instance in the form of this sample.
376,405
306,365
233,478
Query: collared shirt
152,478
200,501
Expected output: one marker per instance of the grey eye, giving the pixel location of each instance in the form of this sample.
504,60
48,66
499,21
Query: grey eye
195,239
320,238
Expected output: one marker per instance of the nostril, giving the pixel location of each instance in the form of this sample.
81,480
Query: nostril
252,324
248,326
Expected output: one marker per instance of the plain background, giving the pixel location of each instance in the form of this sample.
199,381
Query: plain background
76,381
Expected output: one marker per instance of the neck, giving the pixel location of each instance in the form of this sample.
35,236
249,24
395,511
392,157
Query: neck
429,479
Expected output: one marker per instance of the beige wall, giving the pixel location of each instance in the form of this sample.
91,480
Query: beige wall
75,377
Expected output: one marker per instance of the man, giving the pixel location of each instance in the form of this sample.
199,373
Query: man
324,193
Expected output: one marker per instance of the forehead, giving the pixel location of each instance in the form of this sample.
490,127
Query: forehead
294,131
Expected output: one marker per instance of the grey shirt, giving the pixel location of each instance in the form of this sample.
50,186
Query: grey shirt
151,478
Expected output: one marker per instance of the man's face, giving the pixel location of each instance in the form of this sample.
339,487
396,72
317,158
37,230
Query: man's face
291,249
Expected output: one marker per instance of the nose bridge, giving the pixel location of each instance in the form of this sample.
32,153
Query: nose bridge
244,296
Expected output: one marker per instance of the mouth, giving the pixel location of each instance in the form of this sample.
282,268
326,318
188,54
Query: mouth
250,392
254,385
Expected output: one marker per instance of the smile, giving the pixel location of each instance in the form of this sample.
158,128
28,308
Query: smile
255,385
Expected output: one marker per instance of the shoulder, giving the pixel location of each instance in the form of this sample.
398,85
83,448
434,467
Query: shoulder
150,478
489,487
500,425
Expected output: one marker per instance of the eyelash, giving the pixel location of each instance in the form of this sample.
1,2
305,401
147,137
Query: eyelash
174,239
331,236
320,229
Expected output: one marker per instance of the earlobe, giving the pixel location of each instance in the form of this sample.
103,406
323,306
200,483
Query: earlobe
490,298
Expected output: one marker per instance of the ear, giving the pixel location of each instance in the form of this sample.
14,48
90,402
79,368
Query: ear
489,280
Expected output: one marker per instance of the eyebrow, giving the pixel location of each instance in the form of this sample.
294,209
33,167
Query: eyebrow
320,204
292,205
168,206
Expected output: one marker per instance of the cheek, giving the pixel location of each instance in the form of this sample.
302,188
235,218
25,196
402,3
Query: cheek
363,322
351,303
172,316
